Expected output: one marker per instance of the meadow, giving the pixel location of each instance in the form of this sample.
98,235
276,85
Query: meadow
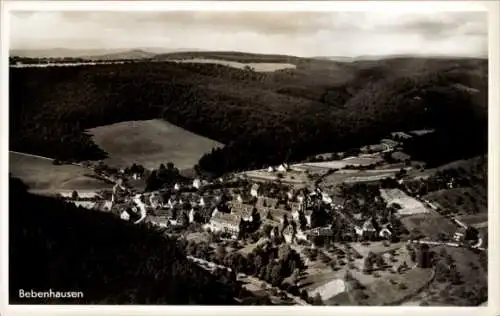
43,177
258,67
150,143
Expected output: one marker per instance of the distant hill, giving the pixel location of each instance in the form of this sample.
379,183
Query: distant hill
61,52
131,54
103,54
262,118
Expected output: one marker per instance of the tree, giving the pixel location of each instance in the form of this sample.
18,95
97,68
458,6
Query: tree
220,253
368,265
423,256
74,195
379,260
317,300
275,276
304,296
302,220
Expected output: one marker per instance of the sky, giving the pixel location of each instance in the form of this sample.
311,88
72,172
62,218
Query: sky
304,34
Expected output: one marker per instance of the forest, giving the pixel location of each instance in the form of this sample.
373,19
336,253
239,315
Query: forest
262,118
65,248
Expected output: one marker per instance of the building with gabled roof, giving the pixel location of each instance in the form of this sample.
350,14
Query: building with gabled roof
254,190
281,168
225,222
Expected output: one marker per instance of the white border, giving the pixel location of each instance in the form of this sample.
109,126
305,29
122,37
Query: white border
408,6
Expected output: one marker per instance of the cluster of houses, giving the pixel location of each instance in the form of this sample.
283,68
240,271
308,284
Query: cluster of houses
284,167
288,212
284,216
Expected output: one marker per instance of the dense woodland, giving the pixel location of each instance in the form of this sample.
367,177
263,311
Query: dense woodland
66,248
262,118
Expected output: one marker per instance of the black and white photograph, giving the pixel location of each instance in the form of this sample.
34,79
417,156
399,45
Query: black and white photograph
182,156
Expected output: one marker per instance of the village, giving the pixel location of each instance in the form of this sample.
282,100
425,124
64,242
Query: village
346,225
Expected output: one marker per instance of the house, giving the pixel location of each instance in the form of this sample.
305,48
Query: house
464,233
124,215
177,187
326,198
196,183
244,211
289,234
254,190
225,222
400,136
295,206
85,204
308,214
270,169
385,231
191,215
141,206
460,234
337,202
318,231
202,201
389,142
282,168
239,198
171,202
367,230
300,198
264,201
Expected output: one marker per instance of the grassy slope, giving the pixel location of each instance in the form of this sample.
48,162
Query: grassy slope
150,143
53,245
41,175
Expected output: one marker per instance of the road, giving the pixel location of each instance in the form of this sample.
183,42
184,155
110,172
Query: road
442,243
30,155
45,65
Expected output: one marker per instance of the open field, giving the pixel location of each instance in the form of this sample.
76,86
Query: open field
330,289
258,67
151,143
339,164
292,177
44,177
353,176
408,204
431,225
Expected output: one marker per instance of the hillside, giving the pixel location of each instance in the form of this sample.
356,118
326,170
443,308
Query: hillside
320,106
67,248
469,194
42,176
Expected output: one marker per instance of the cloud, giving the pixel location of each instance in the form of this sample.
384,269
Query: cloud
295,33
